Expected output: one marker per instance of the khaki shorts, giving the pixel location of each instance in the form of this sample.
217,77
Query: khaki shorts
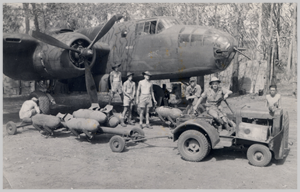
116,87
127,101
145,101
215,112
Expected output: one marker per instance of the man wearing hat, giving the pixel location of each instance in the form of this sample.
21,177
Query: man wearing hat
129,92
192,94
144,97
115,82
215,94
29,109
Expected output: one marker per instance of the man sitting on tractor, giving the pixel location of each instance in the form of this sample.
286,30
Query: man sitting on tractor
215,94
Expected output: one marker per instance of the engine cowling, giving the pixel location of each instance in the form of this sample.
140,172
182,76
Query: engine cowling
56,63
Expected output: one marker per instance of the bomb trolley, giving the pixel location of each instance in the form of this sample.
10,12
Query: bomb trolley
117,143
264,134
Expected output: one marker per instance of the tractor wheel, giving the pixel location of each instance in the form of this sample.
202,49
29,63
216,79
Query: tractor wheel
117,144
11,128
44,102
259,155
137,133
192,145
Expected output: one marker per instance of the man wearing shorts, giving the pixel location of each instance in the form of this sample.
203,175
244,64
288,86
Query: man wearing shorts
129,92
192,94
29,109
215,94
115,82
144,97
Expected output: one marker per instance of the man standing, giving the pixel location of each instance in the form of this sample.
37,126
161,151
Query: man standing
115,82
215,94
192,94
144,97
29,109
273,99
129,92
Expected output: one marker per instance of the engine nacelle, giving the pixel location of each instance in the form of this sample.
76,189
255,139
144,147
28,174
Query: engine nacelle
54,63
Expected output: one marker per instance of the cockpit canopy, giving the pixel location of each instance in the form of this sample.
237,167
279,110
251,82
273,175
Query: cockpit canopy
155,25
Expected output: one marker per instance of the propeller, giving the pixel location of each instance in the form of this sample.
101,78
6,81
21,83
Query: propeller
85,53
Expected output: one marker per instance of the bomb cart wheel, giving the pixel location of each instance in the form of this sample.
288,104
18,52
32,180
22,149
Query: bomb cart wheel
117,144
44,102
11,128
137,133
192,145
259,155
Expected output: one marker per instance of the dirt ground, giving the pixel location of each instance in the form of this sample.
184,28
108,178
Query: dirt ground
31,161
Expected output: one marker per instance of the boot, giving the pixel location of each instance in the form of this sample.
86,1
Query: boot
122,122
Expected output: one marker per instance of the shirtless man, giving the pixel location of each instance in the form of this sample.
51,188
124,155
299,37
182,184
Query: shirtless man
115,82
29,109
129,92
273,99
144,97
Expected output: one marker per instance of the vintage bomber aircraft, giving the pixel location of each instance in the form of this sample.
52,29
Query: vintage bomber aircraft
161,45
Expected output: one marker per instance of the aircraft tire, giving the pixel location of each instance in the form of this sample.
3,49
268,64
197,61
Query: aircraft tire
44,102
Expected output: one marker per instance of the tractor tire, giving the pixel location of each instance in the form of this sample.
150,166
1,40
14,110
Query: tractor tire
117,144
259,155
44,102
192,145
11,128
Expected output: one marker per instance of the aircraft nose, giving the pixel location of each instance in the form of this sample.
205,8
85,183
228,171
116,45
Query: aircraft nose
224,50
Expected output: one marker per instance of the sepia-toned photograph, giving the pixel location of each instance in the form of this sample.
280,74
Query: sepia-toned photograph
149,95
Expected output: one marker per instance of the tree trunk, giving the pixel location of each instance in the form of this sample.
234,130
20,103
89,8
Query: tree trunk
270,52
36,22
294,57
235,67
26,10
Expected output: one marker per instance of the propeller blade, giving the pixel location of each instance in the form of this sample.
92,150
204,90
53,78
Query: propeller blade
237,50
105,29
51,41
90,84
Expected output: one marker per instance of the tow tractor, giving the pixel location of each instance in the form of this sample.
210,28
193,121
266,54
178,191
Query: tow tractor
265,135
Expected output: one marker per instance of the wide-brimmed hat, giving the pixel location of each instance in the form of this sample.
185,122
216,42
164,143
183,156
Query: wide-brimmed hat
129,73
214,79
34,99
114,65
193,79
147,73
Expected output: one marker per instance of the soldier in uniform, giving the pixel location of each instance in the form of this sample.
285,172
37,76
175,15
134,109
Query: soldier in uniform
192,94
215,94
115,82
144,97
129,93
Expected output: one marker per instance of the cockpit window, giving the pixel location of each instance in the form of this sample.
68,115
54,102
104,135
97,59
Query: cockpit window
166,23
154,27
144,28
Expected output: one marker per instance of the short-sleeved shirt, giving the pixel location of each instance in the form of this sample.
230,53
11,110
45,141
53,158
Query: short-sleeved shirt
213,97
129,87
190,91
273,101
